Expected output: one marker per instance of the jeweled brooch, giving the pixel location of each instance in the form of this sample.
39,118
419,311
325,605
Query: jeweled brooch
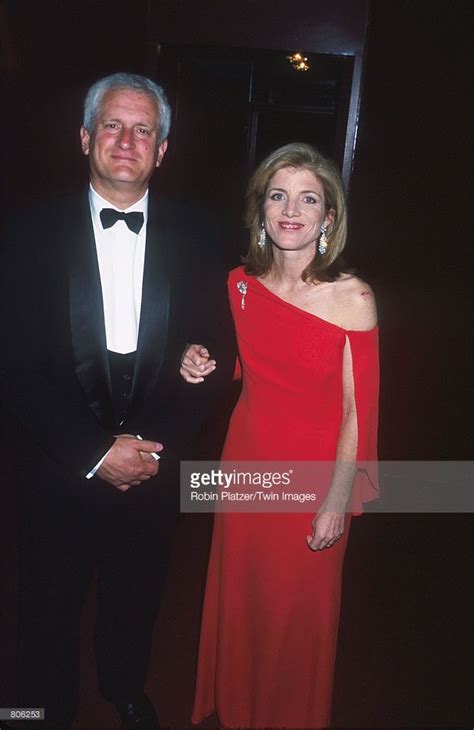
242,287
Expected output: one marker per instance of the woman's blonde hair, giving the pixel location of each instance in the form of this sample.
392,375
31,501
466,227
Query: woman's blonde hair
324,267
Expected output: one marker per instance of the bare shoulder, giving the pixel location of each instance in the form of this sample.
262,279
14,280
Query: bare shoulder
355,302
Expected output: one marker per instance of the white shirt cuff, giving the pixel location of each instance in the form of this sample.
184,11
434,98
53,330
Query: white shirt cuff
97,466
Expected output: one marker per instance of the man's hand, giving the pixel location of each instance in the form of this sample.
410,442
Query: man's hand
129,462
196,364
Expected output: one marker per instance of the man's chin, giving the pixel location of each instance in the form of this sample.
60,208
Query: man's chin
126,180
126,172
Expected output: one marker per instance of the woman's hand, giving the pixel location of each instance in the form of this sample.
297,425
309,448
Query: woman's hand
327,529
196,364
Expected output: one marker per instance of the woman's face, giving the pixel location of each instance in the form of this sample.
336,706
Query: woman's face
294,209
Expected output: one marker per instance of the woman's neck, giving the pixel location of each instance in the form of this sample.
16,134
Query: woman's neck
288,266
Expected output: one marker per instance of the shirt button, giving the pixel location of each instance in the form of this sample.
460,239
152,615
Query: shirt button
127,377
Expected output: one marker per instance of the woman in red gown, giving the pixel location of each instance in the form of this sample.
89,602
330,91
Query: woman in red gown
307,342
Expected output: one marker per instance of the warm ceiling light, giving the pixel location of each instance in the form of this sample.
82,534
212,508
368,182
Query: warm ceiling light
299,62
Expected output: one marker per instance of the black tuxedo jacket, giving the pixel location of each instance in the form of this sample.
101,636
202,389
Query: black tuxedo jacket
54,371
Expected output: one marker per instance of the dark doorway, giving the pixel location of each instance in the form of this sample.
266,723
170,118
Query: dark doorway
232,106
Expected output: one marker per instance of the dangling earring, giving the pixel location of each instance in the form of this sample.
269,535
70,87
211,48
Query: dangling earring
262,241
323,241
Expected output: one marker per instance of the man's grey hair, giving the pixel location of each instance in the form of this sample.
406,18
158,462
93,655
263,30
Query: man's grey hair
134,82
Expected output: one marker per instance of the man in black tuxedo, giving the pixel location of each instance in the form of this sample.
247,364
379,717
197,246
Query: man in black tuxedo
100,294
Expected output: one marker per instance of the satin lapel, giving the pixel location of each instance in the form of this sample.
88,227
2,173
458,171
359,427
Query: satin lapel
87,316
154,315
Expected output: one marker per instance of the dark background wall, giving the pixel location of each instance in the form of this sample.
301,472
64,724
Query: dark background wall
411,225
410,236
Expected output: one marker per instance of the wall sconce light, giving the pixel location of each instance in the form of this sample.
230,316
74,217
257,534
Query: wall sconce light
299,62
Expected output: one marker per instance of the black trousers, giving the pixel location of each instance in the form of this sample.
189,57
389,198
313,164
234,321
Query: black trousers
67,531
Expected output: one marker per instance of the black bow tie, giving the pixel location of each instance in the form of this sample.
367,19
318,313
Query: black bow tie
109,217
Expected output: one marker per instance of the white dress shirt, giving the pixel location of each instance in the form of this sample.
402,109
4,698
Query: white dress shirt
121,257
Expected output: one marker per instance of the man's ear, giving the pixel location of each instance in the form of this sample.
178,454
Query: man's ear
161,152
85,140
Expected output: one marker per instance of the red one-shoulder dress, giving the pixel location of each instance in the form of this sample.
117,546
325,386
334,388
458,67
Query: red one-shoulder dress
271,608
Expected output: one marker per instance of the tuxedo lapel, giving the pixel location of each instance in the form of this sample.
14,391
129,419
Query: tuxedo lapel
154,315
87,315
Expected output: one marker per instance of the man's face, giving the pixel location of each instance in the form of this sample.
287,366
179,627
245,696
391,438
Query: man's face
123,148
